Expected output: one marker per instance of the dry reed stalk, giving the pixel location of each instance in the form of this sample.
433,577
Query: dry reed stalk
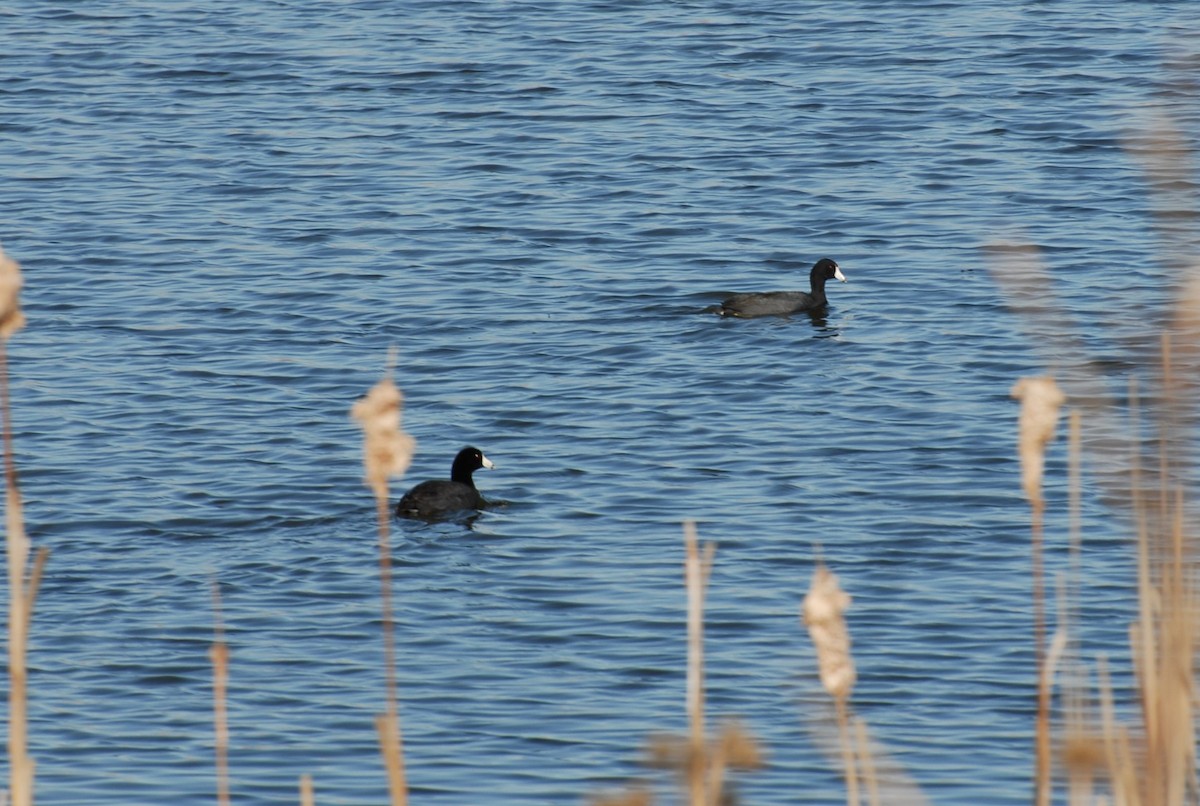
866,761
1040,401
1163,638
701,764
822,612
1118,754
219,655
1163,644
387,452
307,795
387,726
1083,753
697,568
1082,748
1156,765
22,587
1075,507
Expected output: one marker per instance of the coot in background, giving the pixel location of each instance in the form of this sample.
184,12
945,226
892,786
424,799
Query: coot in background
777,303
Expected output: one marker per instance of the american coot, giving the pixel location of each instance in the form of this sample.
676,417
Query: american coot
776,303
438,497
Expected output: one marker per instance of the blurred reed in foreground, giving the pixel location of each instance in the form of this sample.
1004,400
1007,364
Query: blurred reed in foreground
1152,763
701,763
219,655
1142,463
387,452
868,771
823,612
22,581
1040,401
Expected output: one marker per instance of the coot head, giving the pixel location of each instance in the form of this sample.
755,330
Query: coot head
466,463
825,269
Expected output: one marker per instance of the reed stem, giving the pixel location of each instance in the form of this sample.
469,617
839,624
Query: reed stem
869,773
307,794
847,742
1042,779
697,568
387,451
388,724
219,655
22,594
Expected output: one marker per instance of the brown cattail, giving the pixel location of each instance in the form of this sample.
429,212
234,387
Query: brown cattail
822,614
11,318
1040,400
387,450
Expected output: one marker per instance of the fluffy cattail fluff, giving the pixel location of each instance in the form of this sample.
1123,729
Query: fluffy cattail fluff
11,318
822,614
1040,400
387,450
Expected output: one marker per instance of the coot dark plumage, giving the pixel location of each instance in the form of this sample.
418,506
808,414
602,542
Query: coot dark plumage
777,303
438,497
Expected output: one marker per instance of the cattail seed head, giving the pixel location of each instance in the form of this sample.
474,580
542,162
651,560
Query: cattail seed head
387,450
11,318
1040,401
822,614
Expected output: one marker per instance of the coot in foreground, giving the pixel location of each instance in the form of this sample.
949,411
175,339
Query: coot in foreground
439,497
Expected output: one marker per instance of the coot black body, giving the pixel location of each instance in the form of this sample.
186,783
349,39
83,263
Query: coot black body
779,303
440,497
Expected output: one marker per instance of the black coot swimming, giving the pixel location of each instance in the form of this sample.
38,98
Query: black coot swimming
439,497
778,303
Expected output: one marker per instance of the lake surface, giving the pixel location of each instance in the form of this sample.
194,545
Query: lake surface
227,213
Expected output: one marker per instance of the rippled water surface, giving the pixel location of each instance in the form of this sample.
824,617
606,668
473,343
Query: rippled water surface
228,212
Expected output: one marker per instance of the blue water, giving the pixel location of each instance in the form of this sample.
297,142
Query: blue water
227,213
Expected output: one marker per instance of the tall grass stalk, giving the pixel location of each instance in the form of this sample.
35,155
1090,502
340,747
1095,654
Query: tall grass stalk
387,452
866,761
1163,638
697,569
219,655
702,762
22,587
1040,401
307,796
